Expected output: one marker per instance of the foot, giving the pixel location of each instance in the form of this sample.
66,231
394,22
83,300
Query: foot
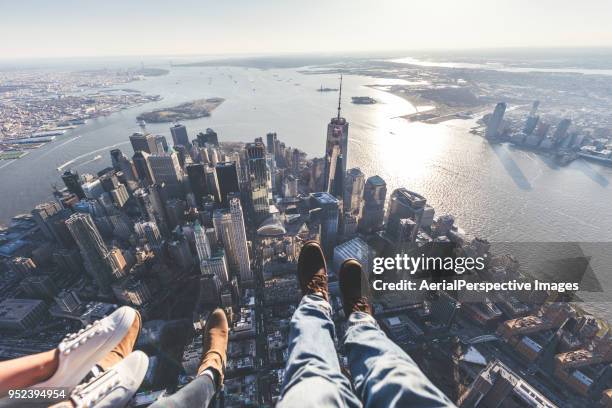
124,348
115,387
79,352
214,345
354,288
312,270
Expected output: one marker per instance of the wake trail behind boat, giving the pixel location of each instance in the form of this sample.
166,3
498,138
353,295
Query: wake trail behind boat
69,162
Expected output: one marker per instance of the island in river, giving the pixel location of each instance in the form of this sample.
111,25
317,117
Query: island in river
190,110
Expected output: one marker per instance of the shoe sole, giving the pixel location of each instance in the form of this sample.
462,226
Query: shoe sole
364,289
317,244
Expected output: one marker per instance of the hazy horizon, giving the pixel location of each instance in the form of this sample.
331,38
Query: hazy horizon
71,29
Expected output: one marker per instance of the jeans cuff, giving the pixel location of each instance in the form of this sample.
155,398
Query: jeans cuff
361,318
319,302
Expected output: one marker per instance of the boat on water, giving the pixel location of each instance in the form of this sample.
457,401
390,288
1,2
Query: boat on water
363,100
600,159
601,155
49,133
321,89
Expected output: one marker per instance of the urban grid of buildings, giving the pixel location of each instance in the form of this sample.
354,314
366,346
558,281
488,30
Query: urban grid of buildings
175,231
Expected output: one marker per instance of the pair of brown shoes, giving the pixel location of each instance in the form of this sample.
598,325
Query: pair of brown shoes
312,275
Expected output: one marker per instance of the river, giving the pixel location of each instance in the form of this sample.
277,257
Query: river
494,191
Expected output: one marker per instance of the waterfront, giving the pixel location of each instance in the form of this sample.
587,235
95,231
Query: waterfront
495,191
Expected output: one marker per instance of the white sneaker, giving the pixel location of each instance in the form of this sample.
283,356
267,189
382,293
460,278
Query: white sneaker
113,388
79,352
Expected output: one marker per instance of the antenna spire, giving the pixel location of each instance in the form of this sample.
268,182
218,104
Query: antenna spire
340,96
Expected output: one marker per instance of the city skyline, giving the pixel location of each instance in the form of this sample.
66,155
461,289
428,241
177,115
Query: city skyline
179,185
70,29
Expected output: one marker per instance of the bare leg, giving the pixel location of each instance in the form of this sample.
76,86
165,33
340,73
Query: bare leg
24,372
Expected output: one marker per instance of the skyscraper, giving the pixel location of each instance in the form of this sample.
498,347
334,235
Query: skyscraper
406,232
161,144
374,195
495,121
404,204
271,141
337,135
179,136
530,124
212,183
216,265
165,168
143,169
149,232
209,137
201,242
561,130
353,191
143,143
333,169
57,226
96,257
73,183
41,213
227,175
123,163
197,181
229,225
326,210
258,178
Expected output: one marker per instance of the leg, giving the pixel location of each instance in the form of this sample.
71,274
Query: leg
383,374
201,390
31,370
27,371
196,394
312,376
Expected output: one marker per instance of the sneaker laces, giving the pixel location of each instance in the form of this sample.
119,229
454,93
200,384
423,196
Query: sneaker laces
318,284
360,304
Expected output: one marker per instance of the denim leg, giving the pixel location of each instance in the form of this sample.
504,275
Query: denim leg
383,374
312,375
197,394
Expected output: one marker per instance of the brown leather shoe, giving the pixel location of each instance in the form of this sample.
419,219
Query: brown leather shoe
354,288
312,270
125,347
214,344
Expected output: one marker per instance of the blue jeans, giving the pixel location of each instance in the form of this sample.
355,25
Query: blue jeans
383,374
197,394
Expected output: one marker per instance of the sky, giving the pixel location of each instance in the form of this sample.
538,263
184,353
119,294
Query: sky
78,28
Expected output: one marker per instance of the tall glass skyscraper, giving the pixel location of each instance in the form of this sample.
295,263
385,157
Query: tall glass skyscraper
179,135
230,229
258,178
353,191
201,242
404,204
227,176
96,257
197,181
165,168
336,151
327,211
374,194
